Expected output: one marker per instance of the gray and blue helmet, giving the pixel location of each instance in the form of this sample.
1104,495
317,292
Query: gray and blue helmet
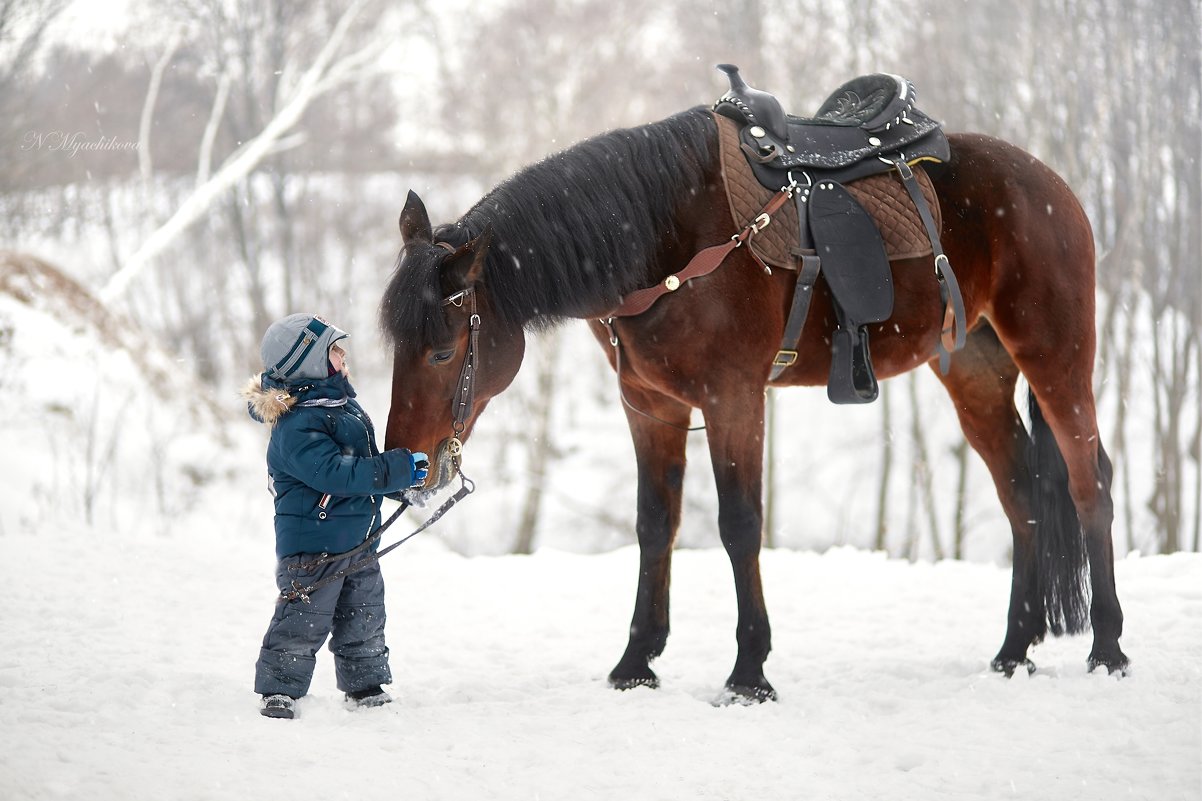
297,348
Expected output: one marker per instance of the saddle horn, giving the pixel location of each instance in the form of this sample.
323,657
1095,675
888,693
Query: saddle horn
760,108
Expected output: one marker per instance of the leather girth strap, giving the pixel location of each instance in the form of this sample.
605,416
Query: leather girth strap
803,293
953,333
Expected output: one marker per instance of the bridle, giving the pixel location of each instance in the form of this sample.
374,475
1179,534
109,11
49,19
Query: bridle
465,391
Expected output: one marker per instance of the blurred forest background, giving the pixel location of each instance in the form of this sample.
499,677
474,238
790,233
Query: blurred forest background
205,166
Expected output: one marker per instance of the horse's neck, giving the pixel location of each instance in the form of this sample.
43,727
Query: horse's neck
534,256
530,275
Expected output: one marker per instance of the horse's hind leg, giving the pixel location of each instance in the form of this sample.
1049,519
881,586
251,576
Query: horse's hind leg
735,430
660,455
1051,339
981,383
1075,501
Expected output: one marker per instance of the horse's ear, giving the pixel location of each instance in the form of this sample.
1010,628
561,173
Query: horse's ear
415,222
465,267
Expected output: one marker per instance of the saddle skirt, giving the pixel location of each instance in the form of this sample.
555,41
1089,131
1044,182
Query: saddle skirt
882,195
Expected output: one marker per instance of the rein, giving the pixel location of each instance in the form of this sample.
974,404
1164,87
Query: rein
302,592
461,407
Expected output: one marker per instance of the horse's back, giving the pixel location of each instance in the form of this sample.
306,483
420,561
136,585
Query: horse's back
1007,189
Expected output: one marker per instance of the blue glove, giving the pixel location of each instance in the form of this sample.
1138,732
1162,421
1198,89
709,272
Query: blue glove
421,468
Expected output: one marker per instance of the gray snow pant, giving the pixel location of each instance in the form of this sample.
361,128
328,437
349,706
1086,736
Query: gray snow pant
353,609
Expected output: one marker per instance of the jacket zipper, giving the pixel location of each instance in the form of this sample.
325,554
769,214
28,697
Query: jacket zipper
372,522
371,449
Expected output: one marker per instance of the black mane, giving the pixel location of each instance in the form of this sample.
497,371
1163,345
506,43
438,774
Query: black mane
572,233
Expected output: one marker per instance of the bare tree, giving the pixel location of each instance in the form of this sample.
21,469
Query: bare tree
542,449
145,167
770,467
881,539
329,68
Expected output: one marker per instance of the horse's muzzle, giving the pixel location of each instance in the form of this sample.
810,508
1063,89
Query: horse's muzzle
443,468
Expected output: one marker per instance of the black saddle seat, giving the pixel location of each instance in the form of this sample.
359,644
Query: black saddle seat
874,102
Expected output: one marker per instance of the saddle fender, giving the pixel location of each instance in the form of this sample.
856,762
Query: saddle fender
859,277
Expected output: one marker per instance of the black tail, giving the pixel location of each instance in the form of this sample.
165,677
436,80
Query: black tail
1059,539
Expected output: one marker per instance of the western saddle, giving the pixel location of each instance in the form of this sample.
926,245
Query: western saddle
868,126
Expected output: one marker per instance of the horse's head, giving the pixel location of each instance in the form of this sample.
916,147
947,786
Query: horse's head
451,353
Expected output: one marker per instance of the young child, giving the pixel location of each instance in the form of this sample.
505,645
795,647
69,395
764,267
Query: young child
329,480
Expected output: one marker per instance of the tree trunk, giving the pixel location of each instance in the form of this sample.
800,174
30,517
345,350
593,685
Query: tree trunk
540,447
923,468
882,495
961,452
770,468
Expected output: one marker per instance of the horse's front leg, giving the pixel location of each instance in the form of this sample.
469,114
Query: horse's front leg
735,428
660,455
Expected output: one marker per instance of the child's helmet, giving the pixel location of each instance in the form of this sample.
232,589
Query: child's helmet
297,348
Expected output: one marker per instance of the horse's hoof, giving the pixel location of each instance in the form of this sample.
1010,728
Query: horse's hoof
736,694
1119,664
1008,666
630,682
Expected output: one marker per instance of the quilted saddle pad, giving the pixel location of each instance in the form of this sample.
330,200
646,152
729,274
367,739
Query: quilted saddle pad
882,195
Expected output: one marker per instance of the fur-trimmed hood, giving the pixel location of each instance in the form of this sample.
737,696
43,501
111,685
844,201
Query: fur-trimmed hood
267,404
268,400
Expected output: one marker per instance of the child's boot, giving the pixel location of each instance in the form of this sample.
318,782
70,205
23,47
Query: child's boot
370,697
278,706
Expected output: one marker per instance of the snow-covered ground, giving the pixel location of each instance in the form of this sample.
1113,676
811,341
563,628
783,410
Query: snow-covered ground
128,665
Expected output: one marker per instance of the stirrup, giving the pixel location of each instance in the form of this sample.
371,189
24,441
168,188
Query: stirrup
851,379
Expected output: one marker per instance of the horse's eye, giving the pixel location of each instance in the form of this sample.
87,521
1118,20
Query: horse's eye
441,357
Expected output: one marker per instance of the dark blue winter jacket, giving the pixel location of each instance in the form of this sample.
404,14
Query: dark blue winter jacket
326,473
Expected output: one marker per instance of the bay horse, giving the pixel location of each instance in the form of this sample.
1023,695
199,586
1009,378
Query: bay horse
570,236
